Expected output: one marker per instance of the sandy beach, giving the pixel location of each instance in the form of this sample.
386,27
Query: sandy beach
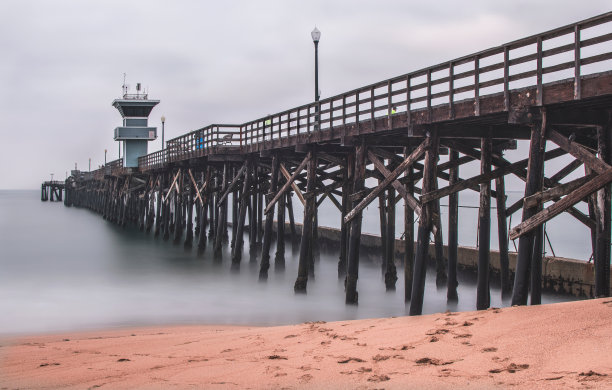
564,345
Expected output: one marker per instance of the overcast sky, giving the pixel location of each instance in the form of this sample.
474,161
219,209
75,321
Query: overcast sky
62,62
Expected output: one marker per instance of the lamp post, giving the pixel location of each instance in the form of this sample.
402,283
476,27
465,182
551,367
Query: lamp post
163,119
316,35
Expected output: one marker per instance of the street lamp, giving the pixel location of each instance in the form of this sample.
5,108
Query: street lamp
316,35
163,119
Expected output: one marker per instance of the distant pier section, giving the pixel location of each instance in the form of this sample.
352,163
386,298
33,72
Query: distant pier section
52,190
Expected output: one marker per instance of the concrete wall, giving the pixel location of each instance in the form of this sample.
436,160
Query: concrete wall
559,274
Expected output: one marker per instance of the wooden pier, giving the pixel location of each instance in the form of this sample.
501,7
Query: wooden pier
52,190
400,142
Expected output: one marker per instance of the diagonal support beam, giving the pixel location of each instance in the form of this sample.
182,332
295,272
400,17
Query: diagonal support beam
294,186
580,152
233,184
556,192
172,186
483,178
413,157
411,201
289,182
581,192
195,186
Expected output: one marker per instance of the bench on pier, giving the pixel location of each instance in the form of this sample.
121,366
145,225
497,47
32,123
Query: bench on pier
226,140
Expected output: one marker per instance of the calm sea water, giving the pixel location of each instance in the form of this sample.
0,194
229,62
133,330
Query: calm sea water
65,269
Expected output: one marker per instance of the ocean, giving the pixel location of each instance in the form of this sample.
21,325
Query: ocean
66,269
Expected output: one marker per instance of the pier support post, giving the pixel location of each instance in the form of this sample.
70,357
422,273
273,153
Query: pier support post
483,298
355,230
382,216
267,237
235,205
438,242
391,270
425,224
222,215
535,174
279,257
502,228
408,234
603,213
453,229
204,214
309,211
189,232
346,206
237,250
178,211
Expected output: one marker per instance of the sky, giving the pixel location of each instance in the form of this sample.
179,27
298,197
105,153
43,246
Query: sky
62,62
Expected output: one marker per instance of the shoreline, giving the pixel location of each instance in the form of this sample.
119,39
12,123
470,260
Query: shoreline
562,345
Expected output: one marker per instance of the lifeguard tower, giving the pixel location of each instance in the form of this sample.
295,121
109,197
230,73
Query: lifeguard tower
135,132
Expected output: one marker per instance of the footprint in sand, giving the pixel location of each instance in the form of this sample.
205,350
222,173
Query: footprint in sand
305,378
350,359
277,357
378,378
48,364
511,368
437,331
489,349
433,362
379,358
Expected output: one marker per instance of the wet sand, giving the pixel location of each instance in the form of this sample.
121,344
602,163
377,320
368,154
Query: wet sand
564,345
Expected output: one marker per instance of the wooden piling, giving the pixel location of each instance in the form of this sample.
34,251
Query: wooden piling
267,236
408,234
309,211
535,172
346,206
391,270
483,299
425,225
502,229
222,215
238,246
453,229
355,229
189,227
279,257
178,211
602,246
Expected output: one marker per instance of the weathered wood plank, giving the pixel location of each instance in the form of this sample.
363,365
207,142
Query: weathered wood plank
554,193
579,151
550,212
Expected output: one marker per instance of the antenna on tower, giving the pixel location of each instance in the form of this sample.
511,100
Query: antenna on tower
124,87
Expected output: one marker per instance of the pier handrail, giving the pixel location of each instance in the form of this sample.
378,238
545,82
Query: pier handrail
565,53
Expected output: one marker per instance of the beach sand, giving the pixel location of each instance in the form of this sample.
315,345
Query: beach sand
564,345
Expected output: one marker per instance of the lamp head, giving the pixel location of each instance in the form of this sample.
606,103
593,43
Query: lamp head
316,35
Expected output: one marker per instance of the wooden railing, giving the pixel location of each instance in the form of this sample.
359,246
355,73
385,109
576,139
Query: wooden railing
195,144
567,53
